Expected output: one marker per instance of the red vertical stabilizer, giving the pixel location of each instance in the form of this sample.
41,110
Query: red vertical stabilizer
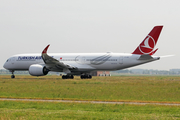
148,44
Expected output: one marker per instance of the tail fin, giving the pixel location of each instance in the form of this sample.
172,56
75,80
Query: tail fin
148,44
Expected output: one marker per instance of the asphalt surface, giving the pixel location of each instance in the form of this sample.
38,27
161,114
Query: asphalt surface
94,102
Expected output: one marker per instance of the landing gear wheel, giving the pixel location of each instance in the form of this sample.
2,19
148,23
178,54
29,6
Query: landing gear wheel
67,77
12,76
72,77
86,76
63,77
82,76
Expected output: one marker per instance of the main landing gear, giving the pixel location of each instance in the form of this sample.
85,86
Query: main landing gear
72,77
67,77
86,76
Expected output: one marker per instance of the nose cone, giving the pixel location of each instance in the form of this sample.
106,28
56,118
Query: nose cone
5,65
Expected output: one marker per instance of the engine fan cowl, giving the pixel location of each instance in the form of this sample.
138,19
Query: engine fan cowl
38,70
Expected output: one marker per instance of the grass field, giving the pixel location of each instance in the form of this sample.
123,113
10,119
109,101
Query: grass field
12,110
122,88
119,88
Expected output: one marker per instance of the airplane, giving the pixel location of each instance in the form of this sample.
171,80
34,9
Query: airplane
84,63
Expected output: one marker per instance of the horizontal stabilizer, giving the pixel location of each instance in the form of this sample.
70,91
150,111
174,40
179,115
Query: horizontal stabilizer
145,57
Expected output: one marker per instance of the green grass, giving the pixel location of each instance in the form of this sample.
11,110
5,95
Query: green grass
122,88
119,88
84,111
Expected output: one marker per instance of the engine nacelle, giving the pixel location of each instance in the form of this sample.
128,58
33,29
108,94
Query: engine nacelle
38,70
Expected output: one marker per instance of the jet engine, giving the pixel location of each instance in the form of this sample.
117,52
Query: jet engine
38,70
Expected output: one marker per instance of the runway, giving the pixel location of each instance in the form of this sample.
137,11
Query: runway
94,102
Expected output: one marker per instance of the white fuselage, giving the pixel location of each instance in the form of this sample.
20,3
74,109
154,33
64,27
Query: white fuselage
85,62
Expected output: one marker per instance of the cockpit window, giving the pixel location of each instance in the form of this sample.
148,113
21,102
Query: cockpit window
7,60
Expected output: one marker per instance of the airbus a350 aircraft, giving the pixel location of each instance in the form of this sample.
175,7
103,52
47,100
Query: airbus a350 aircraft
84,63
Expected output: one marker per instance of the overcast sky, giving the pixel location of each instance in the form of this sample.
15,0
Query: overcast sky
70,26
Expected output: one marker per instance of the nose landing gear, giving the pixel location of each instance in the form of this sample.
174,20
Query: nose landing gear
12,76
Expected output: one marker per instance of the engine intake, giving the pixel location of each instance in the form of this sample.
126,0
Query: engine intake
38,70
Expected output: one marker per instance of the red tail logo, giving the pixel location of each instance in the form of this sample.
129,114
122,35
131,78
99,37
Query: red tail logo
148,44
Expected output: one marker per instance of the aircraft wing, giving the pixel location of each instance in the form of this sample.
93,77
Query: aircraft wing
52,63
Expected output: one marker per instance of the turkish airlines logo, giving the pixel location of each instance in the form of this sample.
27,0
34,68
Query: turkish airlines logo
147,45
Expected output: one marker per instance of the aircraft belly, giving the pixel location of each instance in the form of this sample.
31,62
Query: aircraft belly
106,66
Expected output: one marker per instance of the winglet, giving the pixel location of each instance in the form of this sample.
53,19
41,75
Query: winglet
45,50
